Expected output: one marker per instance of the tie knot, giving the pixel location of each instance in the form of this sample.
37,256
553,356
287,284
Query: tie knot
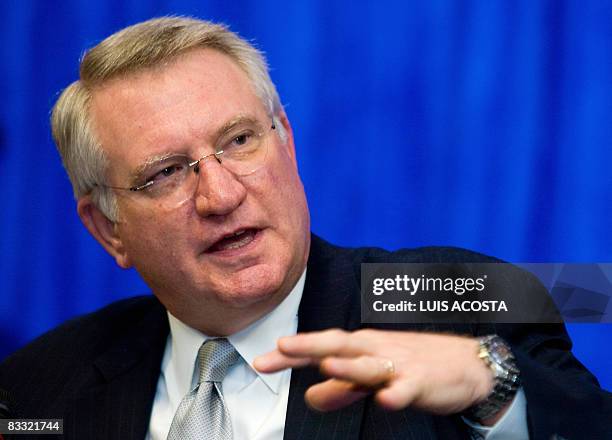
214,358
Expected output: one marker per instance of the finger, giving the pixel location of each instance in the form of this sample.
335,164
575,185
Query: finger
275,361
333,394
325,343
397,395
367,371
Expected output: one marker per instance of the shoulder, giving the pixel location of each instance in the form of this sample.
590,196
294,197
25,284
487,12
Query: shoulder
429,254
82,339
504,280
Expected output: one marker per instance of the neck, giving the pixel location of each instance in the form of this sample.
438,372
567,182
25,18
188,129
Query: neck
225,319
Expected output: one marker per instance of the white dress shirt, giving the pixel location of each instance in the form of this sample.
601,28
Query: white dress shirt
257,402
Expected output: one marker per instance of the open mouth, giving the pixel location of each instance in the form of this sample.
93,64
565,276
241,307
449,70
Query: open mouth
235,241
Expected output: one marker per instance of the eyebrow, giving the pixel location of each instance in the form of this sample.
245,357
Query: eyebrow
224,129
234,122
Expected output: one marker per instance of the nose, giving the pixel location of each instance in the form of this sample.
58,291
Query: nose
218,191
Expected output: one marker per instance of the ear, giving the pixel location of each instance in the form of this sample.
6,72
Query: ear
289,144
104,230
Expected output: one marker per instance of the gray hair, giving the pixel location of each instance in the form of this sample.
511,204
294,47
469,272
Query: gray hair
138,47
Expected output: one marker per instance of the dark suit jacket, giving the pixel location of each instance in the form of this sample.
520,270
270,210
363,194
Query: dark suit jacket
99,372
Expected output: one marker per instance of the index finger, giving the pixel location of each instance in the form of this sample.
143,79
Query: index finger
325,343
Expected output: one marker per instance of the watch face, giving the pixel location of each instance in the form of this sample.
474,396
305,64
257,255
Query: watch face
499,351
497,357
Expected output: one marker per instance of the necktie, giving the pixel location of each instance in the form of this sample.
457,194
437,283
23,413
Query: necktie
202,413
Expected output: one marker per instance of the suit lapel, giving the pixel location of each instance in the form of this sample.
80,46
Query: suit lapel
328,301
118,403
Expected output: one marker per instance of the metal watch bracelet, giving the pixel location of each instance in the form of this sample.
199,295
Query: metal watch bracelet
494,352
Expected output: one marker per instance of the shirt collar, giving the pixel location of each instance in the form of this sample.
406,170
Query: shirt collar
258,338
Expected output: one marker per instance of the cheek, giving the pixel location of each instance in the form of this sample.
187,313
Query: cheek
292,202
153,239
284,192
159,254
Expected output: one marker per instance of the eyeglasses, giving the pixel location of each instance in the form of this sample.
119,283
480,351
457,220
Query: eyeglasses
172,180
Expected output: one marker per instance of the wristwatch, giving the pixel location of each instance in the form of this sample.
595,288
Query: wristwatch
497,355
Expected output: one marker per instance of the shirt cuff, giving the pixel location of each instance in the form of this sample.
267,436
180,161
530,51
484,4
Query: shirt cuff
512,425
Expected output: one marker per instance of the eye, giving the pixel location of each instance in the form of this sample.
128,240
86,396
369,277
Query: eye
166,172
241,139
242,142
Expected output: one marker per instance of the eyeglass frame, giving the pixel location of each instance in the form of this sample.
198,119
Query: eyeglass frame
193,164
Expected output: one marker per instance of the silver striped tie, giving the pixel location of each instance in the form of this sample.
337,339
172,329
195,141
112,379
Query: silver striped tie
202,413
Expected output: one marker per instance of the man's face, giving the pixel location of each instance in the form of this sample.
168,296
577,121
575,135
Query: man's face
187,254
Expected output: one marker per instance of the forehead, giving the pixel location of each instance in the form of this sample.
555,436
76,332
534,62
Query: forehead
170,107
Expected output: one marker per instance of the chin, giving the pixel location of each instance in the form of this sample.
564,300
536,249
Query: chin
252,286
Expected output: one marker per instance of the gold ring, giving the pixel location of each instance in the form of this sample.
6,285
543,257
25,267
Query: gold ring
389,368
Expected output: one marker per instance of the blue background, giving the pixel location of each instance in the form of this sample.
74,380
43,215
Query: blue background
481,124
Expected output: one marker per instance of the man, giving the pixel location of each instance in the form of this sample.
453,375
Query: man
183,165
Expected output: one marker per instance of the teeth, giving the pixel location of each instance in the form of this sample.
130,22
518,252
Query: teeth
234,241
239,243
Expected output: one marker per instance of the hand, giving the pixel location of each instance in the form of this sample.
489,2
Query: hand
438,373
